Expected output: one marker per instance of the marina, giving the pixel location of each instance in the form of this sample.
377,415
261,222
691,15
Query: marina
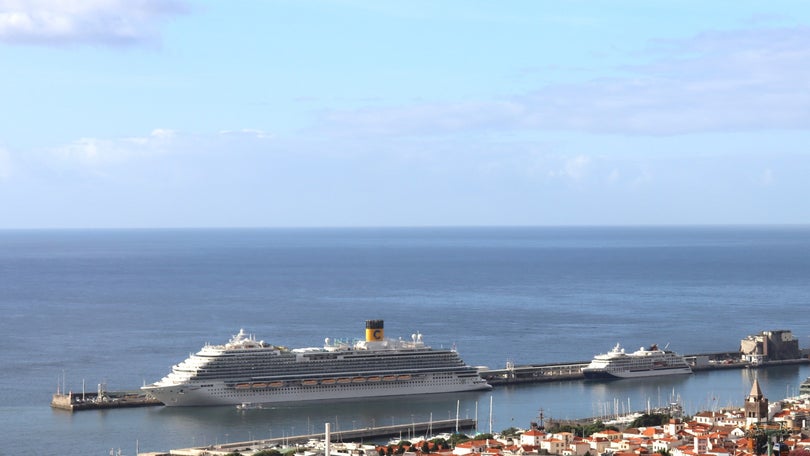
405,432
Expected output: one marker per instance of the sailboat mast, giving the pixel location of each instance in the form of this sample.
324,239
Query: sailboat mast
490,414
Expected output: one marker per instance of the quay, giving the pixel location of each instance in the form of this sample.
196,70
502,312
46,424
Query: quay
73,402
355,435
539,373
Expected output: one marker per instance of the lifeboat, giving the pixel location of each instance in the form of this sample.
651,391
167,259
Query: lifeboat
260,385
375,378
389,378
359,380
328,381
344,380
242,385
276,384
309,382
403,377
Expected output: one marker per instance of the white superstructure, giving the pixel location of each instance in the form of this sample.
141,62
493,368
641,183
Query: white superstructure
641,363
245,370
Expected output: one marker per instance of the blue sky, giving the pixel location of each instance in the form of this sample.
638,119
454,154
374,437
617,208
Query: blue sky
139,113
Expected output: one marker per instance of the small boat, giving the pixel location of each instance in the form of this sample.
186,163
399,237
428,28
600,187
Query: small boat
359,380
389,378
309,382
344,380
403,377
242,385
276,384
248,406
260,385
328,381
375,378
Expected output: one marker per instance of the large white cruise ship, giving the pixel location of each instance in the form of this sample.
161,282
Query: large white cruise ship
245,370
641,363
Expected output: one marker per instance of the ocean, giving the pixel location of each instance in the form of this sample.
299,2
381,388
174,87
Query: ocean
82,307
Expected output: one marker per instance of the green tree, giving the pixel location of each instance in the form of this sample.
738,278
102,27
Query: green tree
511,432
272,452
653,419
455,439
580,430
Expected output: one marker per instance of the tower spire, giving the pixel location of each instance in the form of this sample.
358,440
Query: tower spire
756,406
756,391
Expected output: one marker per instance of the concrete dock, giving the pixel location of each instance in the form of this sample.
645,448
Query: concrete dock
73,402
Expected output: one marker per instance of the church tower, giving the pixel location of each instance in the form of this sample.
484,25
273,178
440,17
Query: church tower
756,406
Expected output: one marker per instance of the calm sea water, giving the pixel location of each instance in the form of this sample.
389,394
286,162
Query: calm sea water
122,306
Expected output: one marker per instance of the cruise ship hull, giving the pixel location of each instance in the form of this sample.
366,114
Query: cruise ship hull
602,374
220,394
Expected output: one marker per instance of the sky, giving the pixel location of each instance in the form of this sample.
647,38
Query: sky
351,113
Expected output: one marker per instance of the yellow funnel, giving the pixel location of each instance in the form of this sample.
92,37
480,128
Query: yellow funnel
374,330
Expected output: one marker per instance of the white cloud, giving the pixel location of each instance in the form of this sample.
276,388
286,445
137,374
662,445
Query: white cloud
163,133
743,80
99,153
107,22
576,168
94,152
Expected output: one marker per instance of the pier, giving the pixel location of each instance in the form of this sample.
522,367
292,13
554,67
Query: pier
539,373
406,431
73,402
533,373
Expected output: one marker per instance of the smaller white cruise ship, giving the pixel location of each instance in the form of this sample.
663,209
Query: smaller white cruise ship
643,362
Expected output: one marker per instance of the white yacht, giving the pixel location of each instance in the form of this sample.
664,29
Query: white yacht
641,363
245,370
